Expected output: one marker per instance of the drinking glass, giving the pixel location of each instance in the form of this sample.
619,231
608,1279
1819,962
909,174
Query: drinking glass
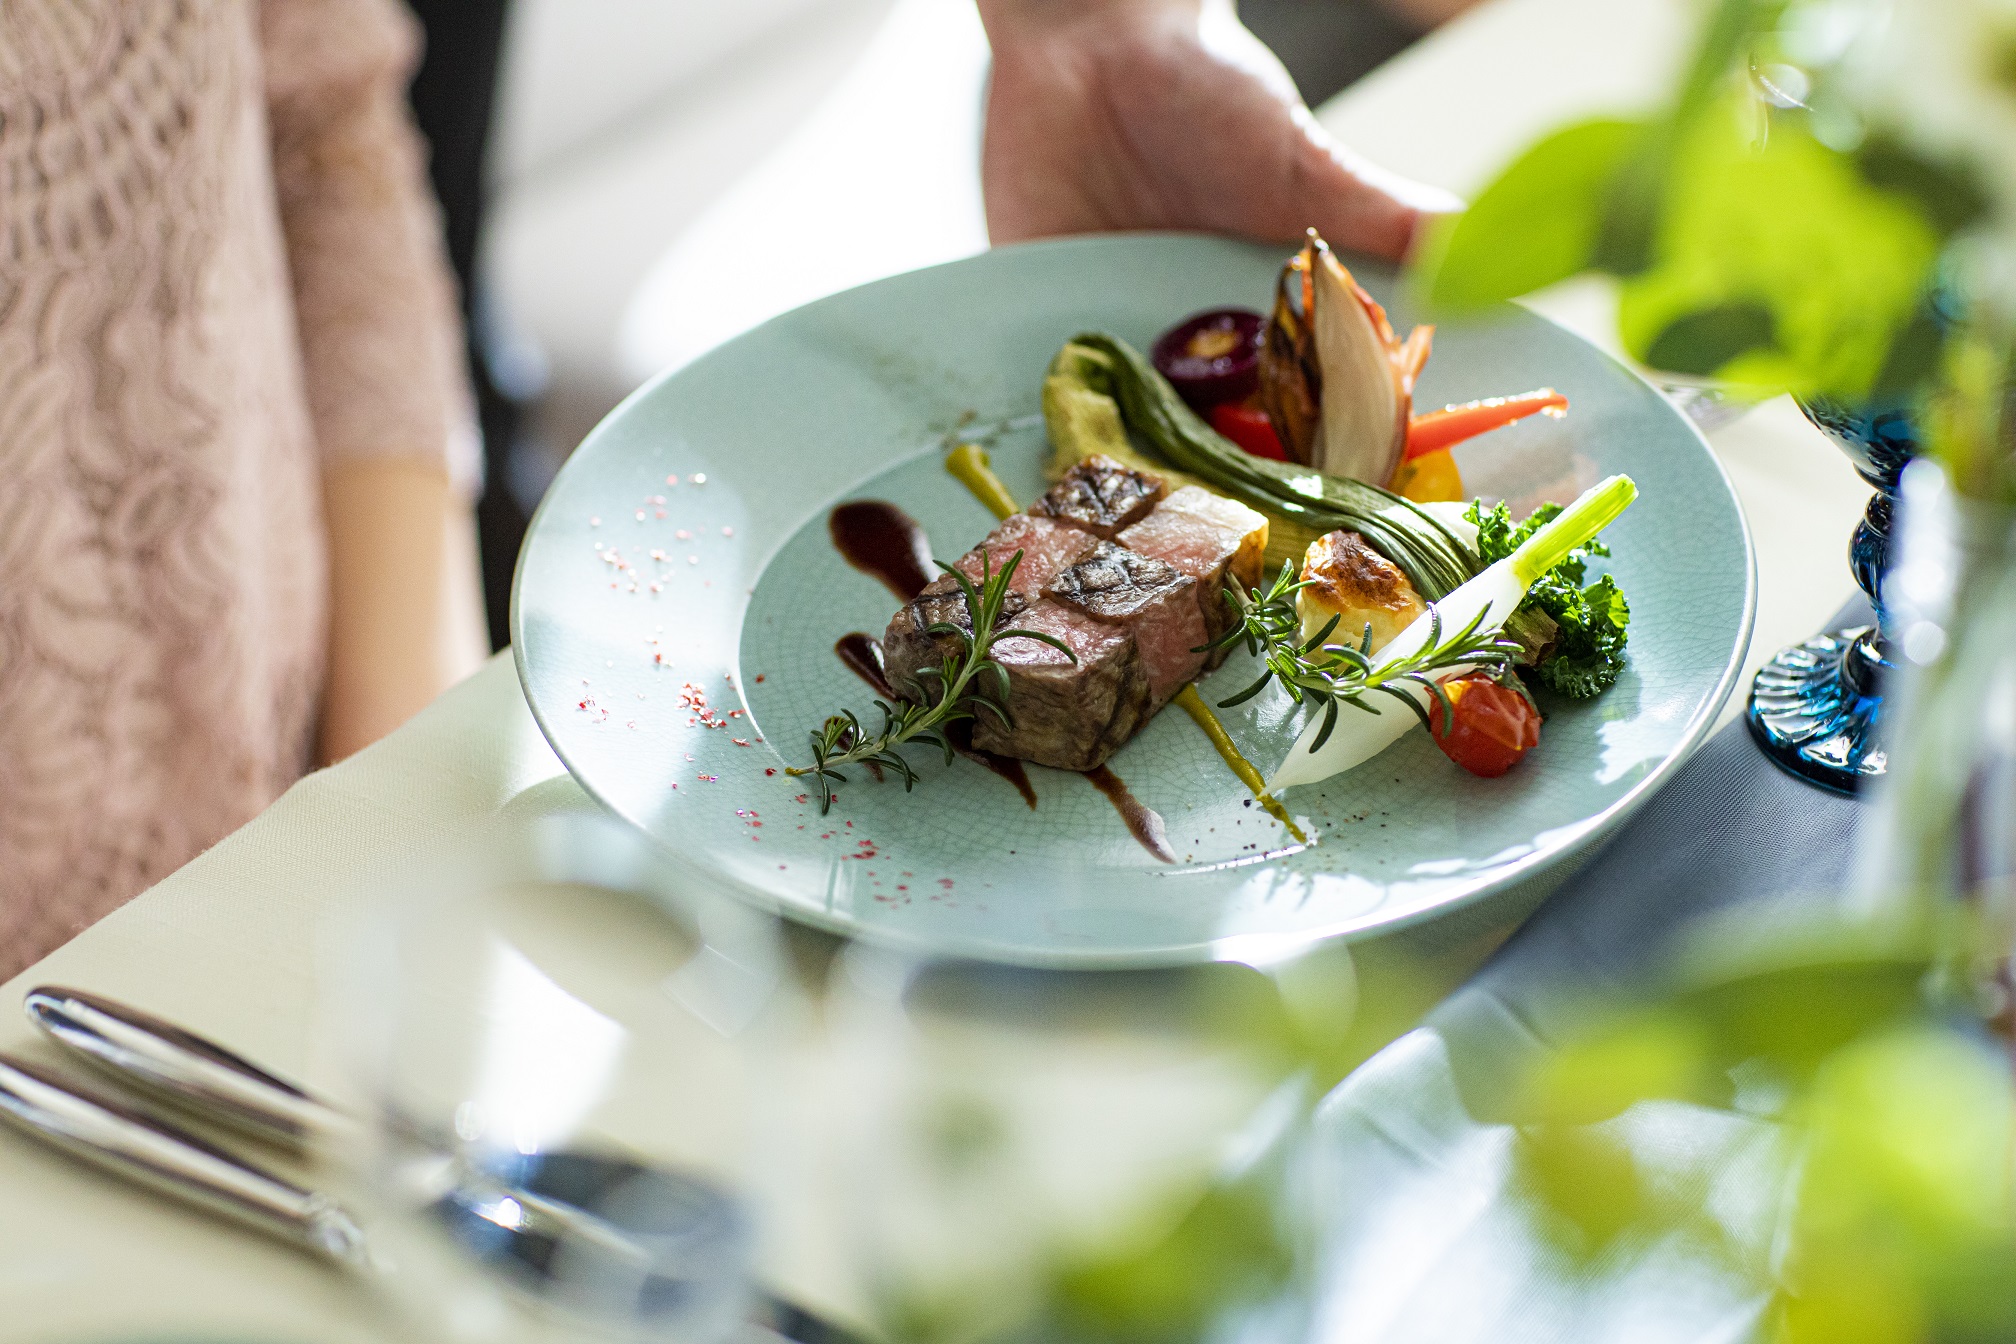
557,1048
1072,1155
1943,828
1816,708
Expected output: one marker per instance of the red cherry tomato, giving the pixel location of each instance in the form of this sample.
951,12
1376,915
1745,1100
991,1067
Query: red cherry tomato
1249,427
1495,726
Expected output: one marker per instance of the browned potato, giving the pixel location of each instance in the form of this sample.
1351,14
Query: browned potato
1350,580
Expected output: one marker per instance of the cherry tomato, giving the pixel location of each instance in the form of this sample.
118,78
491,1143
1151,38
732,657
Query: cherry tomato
1495,725
1249,427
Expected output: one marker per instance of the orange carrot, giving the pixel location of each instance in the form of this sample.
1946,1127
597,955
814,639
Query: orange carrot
1441,429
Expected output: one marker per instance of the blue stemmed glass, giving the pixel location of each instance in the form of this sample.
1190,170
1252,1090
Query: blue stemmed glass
1816,708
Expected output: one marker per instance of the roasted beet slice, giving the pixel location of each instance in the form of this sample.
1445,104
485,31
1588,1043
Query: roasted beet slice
1101,496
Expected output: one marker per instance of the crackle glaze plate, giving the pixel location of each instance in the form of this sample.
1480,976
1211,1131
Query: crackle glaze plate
678,601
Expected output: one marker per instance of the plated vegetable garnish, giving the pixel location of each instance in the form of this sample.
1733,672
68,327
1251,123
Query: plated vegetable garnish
1066,629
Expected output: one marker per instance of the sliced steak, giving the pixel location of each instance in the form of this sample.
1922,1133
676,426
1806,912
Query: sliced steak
1071,716
1155,601
1101,496
1212,539
1048,548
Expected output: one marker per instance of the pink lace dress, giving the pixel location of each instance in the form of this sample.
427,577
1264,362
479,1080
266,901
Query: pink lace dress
219,268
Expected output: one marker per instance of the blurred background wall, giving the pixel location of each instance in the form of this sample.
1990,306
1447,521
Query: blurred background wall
628,183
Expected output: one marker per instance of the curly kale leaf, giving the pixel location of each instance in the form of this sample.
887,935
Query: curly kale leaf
1593,618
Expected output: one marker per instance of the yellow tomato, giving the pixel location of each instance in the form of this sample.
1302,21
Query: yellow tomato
1431,478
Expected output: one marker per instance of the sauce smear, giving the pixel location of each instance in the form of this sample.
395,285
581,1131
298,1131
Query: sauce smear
1142,821
1008,767
862,654
880,539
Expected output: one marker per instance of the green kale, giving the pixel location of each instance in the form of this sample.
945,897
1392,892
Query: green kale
1588,652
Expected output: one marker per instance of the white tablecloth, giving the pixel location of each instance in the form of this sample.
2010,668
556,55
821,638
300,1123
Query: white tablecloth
229,945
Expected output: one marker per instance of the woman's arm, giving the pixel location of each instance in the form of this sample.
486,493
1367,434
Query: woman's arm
382,362
1168,114
406,607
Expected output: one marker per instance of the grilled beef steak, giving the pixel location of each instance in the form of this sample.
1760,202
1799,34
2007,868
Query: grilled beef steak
1214,540
1100,496
1132,615
1152,599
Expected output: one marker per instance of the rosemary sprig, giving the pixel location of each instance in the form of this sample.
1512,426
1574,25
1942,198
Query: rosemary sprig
1325,676
966,683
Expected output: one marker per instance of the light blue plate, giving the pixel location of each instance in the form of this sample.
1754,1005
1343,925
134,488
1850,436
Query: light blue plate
638,601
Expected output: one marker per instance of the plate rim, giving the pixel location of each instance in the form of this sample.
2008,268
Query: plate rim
1257,949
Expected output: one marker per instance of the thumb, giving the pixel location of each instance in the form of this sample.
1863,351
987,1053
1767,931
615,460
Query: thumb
1357,205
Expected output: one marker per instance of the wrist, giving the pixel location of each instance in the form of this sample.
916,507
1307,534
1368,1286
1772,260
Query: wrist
1012,24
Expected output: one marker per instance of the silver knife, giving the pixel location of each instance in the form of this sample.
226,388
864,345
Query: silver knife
182,1068
206,1080
103,1131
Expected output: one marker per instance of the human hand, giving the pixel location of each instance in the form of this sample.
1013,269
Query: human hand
1169,114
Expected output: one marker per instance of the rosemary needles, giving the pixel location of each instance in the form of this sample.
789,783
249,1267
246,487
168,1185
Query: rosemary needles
967,683
1326,676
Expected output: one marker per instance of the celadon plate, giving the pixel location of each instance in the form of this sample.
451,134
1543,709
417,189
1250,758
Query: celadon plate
678,600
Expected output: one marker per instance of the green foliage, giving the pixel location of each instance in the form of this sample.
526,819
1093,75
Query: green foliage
1537,224
1593,621
1748,249
1776,262
1905,1227
1229,1251
1895,1141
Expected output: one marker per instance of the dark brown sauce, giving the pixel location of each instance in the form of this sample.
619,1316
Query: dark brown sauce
880,539
863,656
1008,767
1143,821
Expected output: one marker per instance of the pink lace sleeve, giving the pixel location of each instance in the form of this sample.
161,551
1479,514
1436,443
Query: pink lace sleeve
381,338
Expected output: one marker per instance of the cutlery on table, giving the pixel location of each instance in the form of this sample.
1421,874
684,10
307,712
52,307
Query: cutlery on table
511,1220
109,1134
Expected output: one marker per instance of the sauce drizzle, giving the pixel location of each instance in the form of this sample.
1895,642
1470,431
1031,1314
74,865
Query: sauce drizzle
881,540
863,656
862,653
1142,821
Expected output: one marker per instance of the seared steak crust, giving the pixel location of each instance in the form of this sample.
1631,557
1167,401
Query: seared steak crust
1132,614
1101,496
1216,541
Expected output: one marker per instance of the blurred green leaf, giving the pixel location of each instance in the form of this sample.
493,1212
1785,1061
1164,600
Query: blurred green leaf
1906,1210
1792,228
1700,343
1537,224
1951,195
1657,1054
1794,1017
1228,1252
1583,1181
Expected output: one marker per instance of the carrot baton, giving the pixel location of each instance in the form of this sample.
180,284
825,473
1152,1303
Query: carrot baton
1436,430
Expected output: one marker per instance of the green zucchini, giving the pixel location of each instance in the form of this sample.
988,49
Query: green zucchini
1093,365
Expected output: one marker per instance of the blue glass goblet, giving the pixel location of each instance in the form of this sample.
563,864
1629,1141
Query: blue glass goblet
1816,708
